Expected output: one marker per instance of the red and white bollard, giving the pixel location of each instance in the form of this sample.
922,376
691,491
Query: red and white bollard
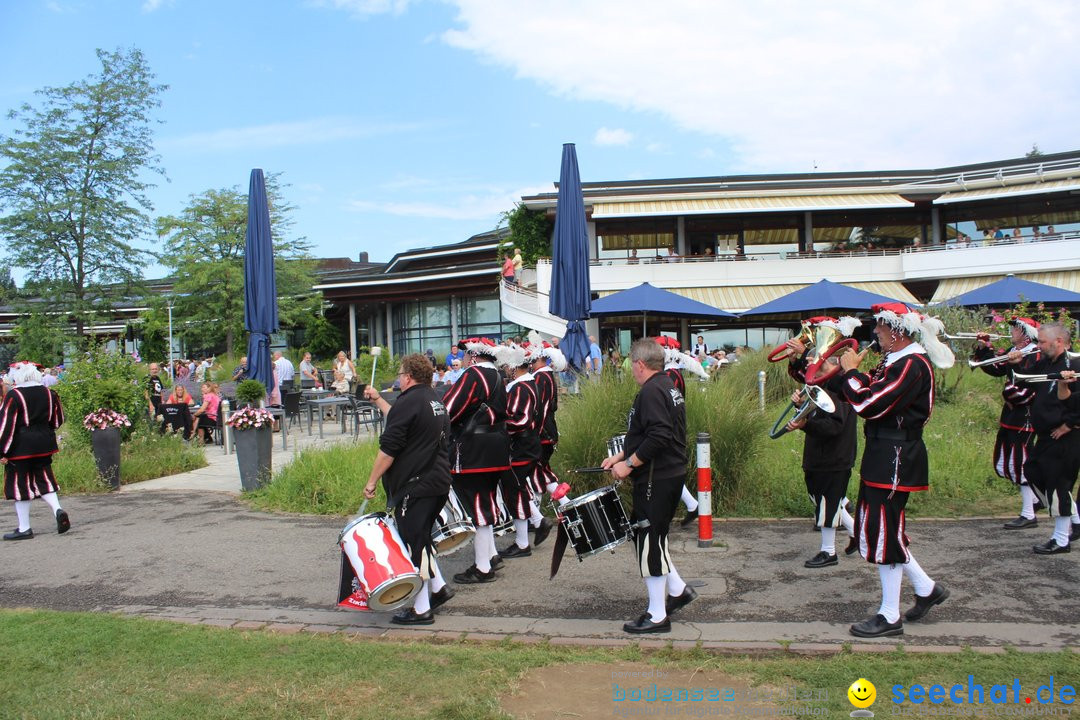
704,491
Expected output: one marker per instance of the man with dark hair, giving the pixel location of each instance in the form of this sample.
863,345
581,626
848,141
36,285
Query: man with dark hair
415,468
1055,459
654,458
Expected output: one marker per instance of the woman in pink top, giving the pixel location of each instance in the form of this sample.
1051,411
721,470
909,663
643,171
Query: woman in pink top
207,414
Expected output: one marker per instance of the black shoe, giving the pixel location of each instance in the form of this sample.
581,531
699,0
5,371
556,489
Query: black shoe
690,517
496,562
1019,523
822,559
877,626
63,523
644,624
474,575
411,617
439,599
923,604
515,552
1050,547
542,531
852,546
17,534
1038,505
673,603
1074,534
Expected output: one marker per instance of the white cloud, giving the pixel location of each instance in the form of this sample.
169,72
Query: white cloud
365,8
305,132
612,136
784,82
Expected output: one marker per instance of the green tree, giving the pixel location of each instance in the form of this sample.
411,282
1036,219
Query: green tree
73,188
530,230
40,337
1034,152
205,250
154,332
323,338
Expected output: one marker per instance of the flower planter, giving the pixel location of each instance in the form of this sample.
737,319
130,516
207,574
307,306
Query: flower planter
106,446
253,455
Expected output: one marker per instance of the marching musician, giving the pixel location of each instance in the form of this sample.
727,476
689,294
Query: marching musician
674,361
1052,466
895,401
29,417
521,428
654,458
415,467
479,449
1014,437
546,361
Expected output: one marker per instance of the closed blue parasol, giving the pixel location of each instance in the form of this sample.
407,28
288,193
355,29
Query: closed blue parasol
822,295
570,293
1011,290
260,285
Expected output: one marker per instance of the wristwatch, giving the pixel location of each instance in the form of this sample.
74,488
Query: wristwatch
628,463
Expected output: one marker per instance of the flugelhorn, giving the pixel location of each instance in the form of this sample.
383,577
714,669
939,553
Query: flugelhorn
998,359
816,397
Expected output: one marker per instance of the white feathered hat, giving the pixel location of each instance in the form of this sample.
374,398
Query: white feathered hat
915,325
545,350
513,356
480,346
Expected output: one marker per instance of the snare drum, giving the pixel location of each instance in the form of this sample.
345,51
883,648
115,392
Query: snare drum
452,527
595,521
504,523
380,561
615,444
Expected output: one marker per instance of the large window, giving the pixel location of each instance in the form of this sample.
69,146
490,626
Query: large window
422,325
482,317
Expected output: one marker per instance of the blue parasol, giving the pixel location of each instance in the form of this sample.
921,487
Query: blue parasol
260,285
1011,290
570,296
822,295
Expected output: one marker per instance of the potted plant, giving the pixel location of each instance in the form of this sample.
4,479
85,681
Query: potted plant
251,428
104,426
250,393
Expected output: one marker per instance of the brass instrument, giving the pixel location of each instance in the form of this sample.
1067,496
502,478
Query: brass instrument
805,336
998,359
974,336
816,397
823,342
1036,378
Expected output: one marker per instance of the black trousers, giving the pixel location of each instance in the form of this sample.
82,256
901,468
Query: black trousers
655,500
414,519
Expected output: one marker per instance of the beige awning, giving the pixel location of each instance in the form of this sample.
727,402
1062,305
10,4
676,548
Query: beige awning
1037,188
951,287
740,298
771,203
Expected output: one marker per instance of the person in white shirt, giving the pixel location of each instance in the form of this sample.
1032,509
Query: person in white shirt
454,373
284,368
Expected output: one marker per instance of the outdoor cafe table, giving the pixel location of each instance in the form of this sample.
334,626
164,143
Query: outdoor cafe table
326,402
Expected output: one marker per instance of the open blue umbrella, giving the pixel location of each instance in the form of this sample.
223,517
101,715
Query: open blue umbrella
646,298
822,295
260,285
1011,290
571,296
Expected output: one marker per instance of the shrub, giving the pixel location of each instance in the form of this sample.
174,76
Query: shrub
250,392
102,380
323,481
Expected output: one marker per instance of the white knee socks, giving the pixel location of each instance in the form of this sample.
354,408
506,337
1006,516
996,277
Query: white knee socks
22,511
484,547
534,514
521,533
1027,502
437,582
1062,528
828,540
891,577
675,583
657,597
919,579
847,521
52,500
422,602
689,500
551,488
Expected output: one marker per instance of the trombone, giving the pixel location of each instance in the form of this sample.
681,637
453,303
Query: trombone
998,359
816,397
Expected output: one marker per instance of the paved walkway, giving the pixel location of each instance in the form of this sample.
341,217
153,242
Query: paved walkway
168,548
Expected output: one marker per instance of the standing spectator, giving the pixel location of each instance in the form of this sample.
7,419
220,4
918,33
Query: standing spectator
455,354
633,258
672,256
1016,235
49,378
1051,234
309,371
28,421
700,348
180,370
284,369
1036,234
998,235
596,358
430,355
518,263
153,390
345,365
240,372
508,271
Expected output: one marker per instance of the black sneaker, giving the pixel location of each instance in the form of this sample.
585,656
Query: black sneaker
542,531
515,552
877,626
822,559
473,575
440,598
674,602
63,523
18,534
923,604
411,617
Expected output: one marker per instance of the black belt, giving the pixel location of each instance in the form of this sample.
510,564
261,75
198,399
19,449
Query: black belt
894,433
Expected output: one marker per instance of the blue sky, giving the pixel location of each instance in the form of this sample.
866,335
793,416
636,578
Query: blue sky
404,124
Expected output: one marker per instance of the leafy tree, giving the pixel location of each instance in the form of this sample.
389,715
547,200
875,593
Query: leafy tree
205,250
7,285
323,338
40,337
1034,152
154,332
530,230
73,185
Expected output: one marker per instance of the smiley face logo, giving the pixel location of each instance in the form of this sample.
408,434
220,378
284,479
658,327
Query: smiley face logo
862,693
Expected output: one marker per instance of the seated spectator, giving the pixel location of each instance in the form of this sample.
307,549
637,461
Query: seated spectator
633,258
672,256
439,377
179,396
1051,234
455,372
1016,235
340,386
1036,234
240,372
207,414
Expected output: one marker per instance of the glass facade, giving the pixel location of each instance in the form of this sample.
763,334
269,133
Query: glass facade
425,324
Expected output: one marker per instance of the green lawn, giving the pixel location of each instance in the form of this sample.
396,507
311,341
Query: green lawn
73,665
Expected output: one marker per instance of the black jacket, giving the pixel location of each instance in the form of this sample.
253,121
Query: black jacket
830,442
417,437
656,431
1047,412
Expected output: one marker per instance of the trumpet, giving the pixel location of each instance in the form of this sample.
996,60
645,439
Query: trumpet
973,336
816,397
1037,378
998,359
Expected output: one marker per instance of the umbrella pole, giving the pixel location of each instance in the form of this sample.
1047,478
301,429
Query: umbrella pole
644,320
